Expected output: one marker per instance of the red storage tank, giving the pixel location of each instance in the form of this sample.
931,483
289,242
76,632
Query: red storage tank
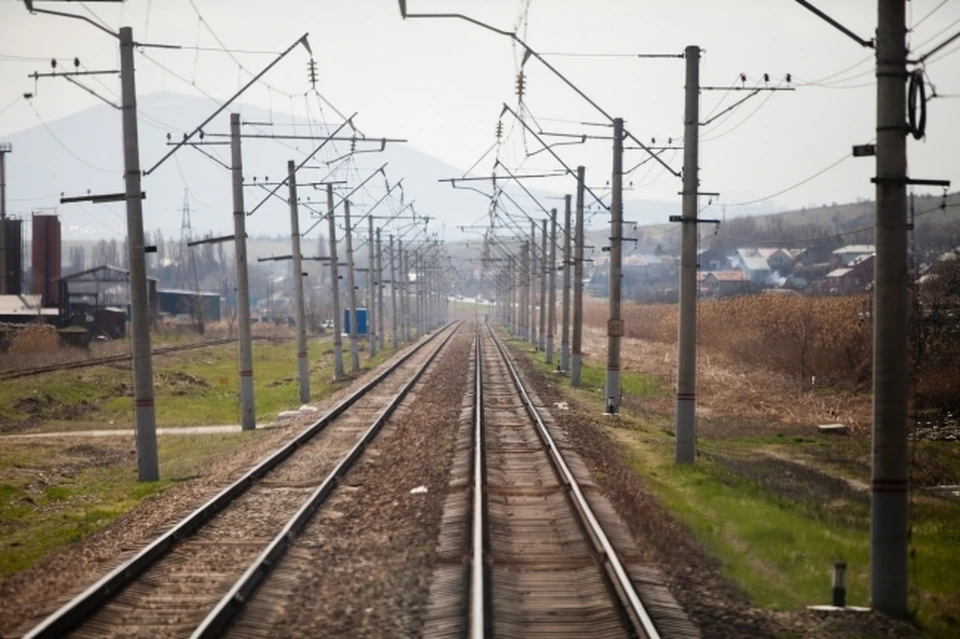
46,259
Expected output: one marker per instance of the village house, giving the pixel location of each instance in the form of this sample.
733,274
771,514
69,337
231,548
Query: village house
848,280
846,255
753,265
723,283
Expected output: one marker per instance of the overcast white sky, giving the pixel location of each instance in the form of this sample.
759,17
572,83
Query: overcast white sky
441,83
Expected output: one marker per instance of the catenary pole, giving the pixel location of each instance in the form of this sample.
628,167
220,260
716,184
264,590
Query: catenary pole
532,283
335,288
888,513
148,466
685,442
248,418
565,312
394,337
303,369
552,286
615,323
576,358
541,335
371,291
378,281
351,290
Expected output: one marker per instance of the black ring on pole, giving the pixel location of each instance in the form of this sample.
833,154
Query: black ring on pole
917,90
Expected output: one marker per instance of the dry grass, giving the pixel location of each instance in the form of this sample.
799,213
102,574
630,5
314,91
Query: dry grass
817,342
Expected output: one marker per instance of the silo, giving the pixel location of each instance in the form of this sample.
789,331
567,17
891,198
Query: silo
46,258
14,255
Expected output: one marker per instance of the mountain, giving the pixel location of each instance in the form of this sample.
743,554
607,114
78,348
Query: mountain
82,153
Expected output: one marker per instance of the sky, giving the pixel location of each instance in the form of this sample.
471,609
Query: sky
441,83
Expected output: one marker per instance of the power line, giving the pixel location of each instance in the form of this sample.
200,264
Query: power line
845,157
742,122
65,147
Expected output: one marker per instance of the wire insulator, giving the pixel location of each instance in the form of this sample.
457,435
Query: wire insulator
521,85
312,72
917,100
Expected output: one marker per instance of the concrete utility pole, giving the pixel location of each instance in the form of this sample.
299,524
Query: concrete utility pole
148,465
888,513
303,368
552,286
335,288
5,147
576,360
511,296
394,337
404,288
615,323
525,291
371,291
352,291
532,283
541,336
248,418
565,314
378,280
685,441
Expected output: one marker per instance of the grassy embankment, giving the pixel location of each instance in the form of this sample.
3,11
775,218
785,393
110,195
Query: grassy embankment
778,511
56,492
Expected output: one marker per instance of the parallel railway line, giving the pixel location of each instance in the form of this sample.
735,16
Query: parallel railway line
193,579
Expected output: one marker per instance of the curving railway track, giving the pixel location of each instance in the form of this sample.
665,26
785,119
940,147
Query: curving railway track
195,578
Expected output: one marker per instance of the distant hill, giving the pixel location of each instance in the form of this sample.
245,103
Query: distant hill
82,153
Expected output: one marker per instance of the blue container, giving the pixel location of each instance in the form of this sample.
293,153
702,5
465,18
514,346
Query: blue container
361,321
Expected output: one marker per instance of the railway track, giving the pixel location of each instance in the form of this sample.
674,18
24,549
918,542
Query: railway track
528,547
194,579
112,359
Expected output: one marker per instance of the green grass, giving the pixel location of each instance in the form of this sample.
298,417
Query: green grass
593,377
196,387
52,495
781,550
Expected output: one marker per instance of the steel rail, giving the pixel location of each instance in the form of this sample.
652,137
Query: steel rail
605,548
478,584
12,373
234,601
76,611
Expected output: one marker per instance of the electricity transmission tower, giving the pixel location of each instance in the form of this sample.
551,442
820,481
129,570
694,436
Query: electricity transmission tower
187,277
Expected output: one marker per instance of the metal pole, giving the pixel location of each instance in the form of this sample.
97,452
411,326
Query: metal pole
541,335
615,323
576,359
248,418
303,369
532,283
351,290
4,274
148,466
393,296
888,514
371,291
552,286
404,289
565,313
524,291
378,281
685,441
335,289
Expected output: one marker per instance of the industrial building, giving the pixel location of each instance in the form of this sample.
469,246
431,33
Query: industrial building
180,302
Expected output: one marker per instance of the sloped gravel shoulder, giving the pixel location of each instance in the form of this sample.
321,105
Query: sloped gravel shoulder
362,567
28,596
713,602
